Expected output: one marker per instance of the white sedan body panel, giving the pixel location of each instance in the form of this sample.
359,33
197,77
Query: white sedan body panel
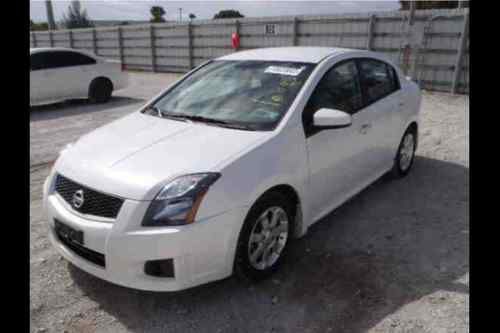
57,84
131,161
135,157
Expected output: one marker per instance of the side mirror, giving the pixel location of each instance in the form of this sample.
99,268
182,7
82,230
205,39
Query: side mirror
331,119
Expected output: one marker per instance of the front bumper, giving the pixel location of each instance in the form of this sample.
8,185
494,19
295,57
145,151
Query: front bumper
202,252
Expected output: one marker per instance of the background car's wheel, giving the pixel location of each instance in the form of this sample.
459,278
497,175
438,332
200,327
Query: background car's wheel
406,153
264,238
100,90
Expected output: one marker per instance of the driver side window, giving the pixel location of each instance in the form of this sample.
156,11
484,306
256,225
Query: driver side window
338,89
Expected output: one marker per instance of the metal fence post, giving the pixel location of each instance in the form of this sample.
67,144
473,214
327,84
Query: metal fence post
33,38
153,46
237,30
460,54
51,39
70,33
190,45
94,41
120,45
295,31
371,32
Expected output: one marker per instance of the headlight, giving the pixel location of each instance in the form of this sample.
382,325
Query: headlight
178,202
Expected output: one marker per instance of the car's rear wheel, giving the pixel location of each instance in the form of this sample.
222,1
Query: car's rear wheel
264,238
406,154
100,90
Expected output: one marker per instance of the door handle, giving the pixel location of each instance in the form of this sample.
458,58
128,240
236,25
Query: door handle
364,128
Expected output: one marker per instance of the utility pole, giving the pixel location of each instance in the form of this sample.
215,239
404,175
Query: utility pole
50,15
413,6
180,14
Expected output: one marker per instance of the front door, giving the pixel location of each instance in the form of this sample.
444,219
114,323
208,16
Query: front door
337,157
43,85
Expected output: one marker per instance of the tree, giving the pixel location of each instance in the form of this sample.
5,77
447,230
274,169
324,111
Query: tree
228,13
157,13
77,17
192,16
405,5
38,26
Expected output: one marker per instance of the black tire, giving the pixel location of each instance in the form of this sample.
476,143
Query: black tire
100,90
400,170
243,268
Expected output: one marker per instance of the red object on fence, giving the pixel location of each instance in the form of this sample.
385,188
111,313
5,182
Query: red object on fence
235,40
406,58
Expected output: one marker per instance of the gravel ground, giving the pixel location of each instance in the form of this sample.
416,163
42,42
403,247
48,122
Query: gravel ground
393,259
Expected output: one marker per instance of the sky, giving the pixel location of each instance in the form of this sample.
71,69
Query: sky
139,9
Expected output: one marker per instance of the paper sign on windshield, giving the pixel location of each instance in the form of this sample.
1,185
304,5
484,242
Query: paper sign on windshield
284,70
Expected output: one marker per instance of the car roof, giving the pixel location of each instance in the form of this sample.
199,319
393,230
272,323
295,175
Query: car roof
292,54
44,49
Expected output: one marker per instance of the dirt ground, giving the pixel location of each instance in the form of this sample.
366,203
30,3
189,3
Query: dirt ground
393,259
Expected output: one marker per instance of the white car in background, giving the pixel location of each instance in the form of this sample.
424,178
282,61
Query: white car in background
211,178
57,74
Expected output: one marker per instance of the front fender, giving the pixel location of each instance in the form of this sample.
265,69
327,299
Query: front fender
282,159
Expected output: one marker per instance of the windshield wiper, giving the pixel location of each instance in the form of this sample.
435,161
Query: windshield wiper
163,114
202,119
155,109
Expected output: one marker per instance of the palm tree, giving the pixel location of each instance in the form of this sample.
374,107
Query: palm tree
157,13
77,17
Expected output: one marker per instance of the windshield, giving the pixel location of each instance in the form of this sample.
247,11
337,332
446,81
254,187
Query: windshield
248,94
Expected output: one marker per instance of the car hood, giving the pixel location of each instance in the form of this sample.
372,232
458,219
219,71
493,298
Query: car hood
134,156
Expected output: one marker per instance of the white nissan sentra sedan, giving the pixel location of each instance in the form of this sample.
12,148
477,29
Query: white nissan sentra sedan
57,74
219,172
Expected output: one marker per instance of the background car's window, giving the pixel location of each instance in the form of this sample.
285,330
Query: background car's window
377,79
255,94
338,89
57,59
67,59
37,61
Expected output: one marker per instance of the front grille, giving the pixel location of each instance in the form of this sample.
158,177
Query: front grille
88,254
92,202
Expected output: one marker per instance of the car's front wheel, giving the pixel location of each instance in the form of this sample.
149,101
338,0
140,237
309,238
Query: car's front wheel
265,237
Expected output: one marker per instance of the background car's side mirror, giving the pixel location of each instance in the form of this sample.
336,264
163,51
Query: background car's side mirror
331,119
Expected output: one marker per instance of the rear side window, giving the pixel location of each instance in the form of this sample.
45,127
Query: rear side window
58,59
378,79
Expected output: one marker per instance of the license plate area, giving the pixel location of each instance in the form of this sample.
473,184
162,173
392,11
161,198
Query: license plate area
68,233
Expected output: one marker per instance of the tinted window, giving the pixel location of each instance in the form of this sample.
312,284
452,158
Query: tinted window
57,59
36,61
339,89
377,79
394,77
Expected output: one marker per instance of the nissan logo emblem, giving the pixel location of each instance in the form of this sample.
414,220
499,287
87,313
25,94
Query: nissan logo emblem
78,199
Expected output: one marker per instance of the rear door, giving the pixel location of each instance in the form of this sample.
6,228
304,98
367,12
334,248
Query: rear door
73,73
381,94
